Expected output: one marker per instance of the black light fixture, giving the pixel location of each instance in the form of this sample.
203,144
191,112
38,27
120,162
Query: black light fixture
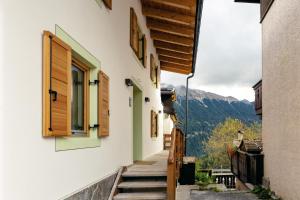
159,111
128,82
147,99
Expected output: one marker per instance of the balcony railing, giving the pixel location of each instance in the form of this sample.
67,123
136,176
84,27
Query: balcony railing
175,158
248,167
258,97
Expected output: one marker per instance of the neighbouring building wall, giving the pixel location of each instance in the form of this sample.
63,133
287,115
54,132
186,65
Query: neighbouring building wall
168,124
31,168
281,97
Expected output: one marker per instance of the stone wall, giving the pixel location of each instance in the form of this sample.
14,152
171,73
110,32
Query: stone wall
97,191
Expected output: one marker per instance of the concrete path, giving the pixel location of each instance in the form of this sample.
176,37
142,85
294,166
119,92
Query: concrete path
191,192
209,195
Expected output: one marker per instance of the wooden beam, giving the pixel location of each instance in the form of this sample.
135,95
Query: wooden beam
169,16
175,61
170,28
166,64
174,39
175,70
173,47
173,54
182,4
175,67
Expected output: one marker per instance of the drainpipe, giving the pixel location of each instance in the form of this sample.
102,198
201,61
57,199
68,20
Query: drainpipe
195,49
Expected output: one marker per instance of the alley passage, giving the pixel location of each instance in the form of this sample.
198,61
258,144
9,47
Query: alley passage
210,195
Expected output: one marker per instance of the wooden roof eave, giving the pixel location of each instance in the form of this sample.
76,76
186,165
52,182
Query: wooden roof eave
173,25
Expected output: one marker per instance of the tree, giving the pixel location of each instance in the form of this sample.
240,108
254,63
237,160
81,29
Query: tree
222,135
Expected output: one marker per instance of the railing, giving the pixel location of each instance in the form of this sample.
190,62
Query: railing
248,167
176,153
258,97
224,176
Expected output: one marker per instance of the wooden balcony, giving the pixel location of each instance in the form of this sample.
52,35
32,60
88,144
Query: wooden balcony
248,167
258,97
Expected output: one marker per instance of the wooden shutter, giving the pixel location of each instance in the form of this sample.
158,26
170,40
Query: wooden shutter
103,105
134,33
57,61
145,51
157,76
156,126
153,124
108,3
152,68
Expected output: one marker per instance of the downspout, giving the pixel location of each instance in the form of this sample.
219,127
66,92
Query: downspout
195,49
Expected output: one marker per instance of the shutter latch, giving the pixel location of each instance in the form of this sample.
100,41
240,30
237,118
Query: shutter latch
94,126
54,93
95,82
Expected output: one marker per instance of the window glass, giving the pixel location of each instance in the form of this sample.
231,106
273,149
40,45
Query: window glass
77,100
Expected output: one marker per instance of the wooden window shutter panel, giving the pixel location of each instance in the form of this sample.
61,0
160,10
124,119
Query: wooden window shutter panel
153,124
157,76
134,34
156,126
57,80
145,51
108,3
103,105
152,68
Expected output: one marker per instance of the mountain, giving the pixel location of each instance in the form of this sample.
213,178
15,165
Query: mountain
206,110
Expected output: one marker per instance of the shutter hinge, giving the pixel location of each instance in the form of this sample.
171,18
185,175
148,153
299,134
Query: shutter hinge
94,126
95,82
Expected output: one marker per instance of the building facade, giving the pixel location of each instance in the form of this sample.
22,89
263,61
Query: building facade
80,90
37,167
280,94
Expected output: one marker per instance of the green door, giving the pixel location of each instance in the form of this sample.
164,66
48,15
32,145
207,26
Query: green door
137,123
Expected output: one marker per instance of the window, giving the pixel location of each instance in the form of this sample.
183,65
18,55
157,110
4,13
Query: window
79,98
65,90
138,40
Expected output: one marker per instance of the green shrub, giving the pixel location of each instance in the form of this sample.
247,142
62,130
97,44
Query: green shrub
203,178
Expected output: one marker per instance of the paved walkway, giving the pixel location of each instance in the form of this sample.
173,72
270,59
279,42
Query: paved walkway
192,193
209,195
154,163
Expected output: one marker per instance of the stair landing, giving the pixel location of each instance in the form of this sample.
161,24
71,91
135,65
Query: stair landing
145,179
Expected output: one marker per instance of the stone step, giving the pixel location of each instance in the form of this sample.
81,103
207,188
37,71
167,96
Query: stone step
142,184
141,196
144,174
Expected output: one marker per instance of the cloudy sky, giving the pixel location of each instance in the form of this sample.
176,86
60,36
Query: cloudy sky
229,50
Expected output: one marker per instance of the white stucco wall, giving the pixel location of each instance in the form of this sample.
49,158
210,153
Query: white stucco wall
30,167
168,124
281,96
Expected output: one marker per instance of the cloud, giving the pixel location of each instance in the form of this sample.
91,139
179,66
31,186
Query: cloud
229,49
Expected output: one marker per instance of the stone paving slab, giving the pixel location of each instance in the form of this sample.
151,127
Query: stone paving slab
210,195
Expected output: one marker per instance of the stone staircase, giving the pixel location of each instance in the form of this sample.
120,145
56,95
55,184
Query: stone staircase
142,185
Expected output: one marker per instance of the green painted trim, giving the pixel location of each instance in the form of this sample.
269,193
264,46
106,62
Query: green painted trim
91,141
77,49
99,2
137,123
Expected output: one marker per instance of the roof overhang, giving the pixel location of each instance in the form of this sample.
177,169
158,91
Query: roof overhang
174,27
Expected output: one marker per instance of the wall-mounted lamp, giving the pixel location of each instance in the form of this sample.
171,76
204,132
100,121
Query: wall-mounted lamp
159,111
128,82
147,99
